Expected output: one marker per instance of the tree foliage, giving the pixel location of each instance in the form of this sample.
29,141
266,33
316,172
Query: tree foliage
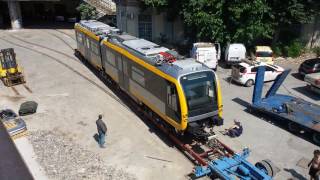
246,21
156,3
87,11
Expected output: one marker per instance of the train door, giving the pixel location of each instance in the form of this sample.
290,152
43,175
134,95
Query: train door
123,73
173,105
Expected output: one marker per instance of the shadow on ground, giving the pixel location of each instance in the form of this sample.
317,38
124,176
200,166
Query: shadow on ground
305,90
47,25
297,76
295,174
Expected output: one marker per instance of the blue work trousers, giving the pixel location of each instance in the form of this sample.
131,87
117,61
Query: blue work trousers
102,137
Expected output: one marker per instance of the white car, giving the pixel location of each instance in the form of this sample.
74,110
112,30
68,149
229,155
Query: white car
245,73
314,81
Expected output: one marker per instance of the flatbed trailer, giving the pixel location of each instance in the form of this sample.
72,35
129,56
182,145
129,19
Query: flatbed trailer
301,115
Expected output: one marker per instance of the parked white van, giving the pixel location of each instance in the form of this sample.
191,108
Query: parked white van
206,53
235,53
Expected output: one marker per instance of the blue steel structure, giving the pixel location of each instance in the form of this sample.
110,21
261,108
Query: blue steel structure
231,168
296,111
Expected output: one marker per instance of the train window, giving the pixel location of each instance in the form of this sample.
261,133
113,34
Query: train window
119,60
172,97
173,103
79,38
95,48
88,43
138,76
125,65
111,58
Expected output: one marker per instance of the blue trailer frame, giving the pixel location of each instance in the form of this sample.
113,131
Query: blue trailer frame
304,114
235,167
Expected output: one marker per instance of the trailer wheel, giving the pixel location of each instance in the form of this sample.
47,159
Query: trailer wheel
267,167
249,83
293,127
316,138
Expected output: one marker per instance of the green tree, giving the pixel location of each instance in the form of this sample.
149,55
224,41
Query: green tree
248,21
87,11
155,3
244,21
287,13
206,17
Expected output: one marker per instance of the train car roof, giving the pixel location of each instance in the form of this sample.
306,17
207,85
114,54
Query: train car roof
144,49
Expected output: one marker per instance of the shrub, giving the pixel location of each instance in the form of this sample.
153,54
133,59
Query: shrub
87,11
277,49
316,50
294,49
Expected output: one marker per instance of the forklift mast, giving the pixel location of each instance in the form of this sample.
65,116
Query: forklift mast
10,72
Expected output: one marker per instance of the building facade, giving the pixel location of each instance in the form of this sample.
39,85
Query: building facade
15,13
148,23
310,33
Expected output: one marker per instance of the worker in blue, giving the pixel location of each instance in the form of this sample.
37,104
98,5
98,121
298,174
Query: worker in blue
235,131
102,131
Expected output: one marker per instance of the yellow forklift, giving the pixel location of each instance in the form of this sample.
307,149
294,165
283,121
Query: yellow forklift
10,71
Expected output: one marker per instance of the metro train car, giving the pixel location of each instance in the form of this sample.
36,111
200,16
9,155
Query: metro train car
184,93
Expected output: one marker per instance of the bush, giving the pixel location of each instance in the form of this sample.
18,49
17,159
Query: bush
294,49
316,50
277,49
87,11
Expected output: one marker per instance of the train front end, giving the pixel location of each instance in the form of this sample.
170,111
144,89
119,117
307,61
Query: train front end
203,98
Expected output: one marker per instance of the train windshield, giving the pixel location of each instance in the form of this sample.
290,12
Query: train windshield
199,89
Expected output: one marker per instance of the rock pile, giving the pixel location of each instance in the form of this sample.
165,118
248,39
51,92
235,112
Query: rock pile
298,60
63,159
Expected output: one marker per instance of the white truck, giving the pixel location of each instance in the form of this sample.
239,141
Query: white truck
206,53
235,53
313,80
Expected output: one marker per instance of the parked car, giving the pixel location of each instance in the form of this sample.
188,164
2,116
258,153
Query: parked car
314,81
235,53
245,73
206,53
309,66
264,54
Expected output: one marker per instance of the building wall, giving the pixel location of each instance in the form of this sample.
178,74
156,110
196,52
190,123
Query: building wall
128,21
310,33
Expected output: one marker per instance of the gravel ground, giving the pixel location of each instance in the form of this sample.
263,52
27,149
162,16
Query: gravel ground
63,159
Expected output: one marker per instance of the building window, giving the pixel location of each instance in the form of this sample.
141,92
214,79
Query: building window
138,76
145,26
